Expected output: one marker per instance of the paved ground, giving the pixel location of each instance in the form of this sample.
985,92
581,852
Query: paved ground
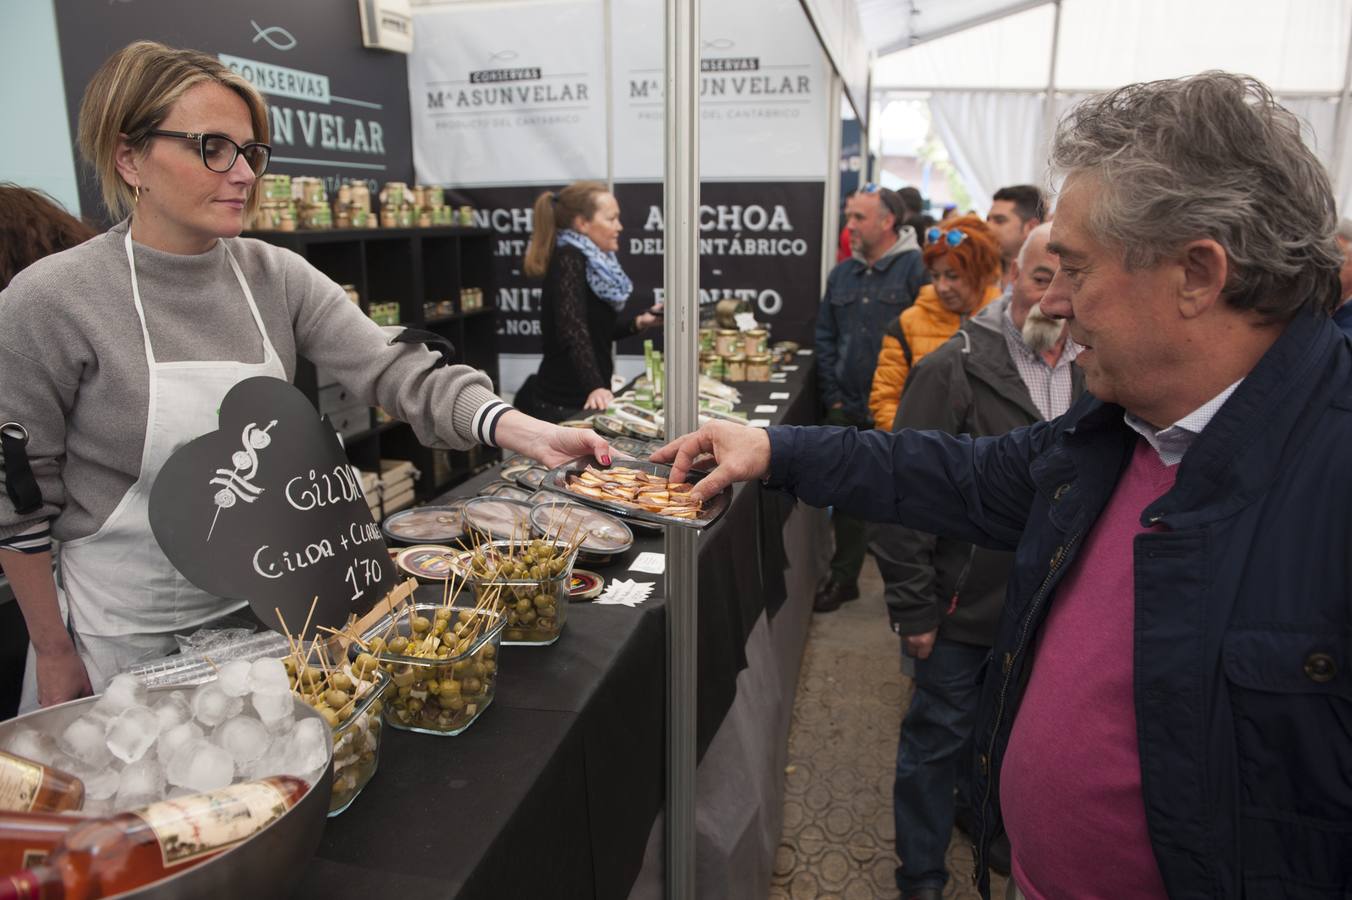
838,832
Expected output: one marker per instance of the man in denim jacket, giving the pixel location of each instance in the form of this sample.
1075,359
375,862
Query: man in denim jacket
1167,710
863,294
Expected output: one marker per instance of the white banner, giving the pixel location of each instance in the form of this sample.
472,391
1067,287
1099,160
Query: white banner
508,93
762,92
497,103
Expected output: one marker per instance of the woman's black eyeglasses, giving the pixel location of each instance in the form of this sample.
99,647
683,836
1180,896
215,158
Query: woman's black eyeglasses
219,152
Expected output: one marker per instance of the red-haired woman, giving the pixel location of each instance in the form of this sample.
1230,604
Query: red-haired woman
964,266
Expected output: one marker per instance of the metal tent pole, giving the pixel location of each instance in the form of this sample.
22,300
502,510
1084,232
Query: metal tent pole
831,195
1049,104
1340,127
681,281
608,24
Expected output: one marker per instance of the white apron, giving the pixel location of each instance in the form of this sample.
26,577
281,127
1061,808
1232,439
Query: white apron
126,599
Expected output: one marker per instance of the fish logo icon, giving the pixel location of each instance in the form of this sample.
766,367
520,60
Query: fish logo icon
277,37
504,56
719,44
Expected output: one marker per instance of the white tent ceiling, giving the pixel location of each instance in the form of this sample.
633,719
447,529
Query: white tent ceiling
1299,46
986,66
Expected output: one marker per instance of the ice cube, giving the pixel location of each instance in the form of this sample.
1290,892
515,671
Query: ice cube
276,709
175,737
173,710
103,784
212,706
268,676
233,677
31,744
307,747
122,692
244,737
202,766
132,733
84,739
142,783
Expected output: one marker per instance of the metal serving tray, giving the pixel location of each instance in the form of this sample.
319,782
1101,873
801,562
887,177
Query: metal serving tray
713,510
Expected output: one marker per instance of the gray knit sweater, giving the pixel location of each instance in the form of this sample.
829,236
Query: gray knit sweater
73,365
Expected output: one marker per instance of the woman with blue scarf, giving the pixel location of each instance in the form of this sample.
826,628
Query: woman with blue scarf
577,232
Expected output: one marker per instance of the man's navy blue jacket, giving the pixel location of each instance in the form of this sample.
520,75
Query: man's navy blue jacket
1243,607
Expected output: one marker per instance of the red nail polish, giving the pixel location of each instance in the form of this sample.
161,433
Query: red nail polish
605,460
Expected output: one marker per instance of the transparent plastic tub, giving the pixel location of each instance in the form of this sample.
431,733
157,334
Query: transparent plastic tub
356,746
440,695
534,602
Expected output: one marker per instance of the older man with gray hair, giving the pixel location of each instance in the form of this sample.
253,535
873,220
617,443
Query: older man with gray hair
1168,705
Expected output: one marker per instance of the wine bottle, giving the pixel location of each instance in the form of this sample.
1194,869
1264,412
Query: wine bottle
106,856
28,786
27,838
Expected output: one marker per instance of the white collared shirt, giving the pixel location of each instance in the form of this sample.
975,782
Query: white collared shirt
1172,442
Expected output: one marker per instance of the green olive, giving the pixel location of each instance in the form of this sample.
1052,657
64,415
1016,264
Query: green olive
376,645
449,689
414,704
311,676
442,613
488,651
455,704
433,685
420,624
473,685
341,681
398,644
336,698
490,666
290,665
523,605
364,665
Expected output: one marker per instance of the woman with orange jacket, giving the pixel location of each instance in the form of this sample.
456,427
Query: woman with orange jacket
963,260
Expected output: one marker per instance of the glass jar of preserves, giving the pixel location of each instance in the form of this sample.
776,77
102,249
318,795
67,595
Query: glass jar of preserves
728,342
758,367
734,367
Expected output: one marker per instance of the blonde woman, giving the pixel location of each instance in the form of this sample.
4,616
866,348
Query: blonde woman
116,352
573,247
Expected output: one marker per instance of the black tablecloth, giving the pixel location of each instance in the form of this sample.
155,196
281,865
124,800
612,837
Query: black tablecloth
553,790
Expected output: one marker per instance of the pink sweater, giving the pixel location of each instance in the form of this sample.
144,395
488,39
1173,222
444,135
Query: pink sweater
1070,787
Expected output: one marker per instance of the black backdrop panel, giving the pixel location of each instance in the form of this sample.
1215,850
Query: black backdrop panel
760,241
337,110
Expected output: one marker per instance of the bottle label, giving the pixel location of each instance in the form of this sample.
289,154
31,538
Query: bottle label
190,827
19,783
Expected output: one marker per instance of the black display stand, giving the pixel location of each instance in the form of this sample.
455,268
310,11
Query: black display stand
409,266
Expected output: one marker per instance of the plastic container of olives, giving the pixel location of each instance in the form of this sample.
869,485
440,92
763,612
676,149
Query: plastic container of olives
356,745
435,694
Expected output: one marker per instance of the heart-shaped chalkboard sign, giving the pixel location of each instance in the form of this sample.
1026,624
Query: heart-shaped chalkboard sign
266,509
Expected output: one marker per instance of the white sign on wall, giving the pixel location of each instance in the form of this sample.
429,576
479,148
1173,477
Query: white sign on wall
508,93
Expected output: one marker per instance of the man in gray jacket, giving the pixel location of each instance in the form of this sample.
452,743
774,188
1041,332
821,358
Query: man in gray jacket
1009,366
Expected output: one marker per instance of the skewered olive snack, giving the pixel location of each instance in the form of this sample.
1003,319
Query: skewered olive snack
530,579
442,662
348,697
